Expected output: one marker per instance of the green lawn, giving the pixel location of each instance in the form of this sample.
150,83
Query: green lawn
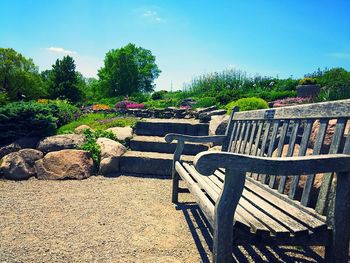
97,121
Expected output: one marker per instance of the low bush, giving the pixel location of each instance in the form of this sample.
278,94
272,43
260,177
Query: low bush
90,144
246,104
97,121
159,104
205,102
158,95
307,81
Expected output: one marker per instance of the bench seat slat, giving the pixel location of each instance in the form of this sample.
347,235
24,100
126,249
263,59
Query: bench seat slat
260,210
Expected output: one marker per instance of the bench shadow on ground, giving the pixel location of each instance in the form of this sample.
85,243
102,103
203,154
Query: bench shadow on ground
201,233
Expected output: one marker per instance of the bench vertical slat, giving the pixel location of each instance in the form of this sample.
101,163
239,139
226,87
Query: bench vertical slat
264,140
290,152
241,136
322,200
256,141
236,136
276,125
347,142
252,134
233,134
302,152
230,130
245,140
306,196
282,138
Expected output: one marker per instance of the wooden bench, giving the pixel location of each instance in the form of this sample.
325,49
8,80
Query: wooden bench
250,197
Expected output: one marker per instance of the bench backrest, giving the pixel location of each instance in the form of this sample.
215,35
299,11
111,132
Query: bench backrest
310,129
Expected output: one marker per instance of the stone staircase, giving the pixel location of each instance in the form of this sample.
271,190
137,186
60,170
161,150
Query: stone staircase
150,154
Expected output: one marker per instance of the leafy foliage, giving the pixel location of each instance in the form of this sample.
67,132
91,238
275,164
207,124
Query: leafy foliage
63,80
97,121
307,81
19,77
127,70
90,144
246,104
19,119
205,102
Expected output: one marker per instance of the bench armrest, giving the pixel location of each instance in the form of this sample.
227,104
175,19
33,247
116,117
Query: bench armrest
207,162
188,138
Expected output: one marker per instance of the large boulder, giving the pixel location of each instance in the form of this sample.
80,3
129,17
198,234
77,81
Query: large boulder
20,165
221,128
65,164
215,122
109,165
110,148
122,133
22,143
60,142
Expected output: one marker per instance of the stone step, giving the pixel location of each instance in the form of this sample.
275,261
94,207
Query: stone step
161,127
148,163
158,144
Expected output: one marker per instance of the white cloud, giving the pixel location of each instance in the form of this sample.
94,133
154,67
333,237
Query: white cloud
152,15
340,55
61,50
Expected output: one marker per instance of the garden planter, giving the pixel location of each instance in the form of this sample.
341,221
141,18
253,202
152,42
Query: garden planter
308,90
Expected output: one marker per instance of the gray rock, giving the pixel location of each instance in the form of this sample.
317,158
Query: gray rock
110,148
215,122
109,165
204,110
20,165
122,133
22,143
221,129
60,142
65,164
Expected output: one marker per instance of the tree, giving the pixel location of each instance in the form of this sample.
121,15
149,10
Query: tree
335,84
128,70
19,76
63,81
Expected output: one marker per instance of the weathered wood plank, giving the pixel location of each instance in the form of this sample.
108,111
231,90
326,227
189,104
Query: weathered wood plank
237,134
302,152
290,152
245,140
240,139
322,200
282,138
331,110
306,196
206,206
271,146
229,131
252,135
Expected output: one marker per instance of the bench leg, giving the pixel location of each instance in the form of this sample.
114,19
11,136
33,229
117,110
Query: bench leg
224,211
175,190
338,249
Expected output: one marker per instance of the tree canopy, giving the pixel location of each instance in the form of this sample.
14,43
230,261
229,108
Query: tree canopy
128,70
19,75
64,82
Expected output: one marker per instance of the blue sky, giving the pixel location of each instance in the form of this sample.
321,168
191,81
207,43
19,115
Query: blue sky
188,38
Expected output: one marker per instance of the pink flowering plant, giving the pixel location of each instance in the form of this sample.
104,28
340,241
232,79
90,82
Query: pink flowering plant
135,106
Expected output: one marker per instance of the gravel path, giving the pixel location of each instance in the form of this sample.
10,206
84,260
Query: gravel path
123,219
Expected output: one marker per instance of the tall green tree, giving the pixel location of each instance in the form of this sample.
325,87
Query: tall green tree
19,75
128,70
64,81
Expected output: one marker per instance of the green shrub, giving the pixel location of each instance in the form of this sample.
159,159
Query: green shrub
160,104
25,119
4,99
205,102
97,121
158,95
246,104
20,119
307,81
139,97
91,145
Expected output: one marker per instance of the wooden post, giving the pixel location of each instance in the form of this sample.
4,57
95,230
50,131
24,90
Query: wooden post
175,176
224,211
338,249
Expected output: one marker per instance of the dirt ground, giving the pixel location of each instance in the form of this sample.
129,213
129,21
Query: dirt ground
122,219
